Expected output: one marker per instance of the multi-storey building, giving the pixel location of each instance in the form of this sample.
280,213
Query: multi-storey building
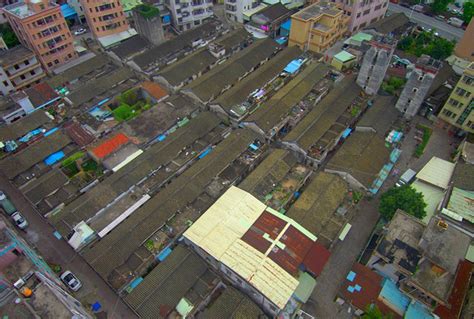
419,82
458,110
187,14
363,12
234,9
105,17
40,26
19,69
318,26
375,64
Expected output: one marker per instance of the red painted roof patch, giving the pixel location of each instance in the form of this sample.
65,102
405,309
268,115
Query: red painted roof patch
316,258
109,146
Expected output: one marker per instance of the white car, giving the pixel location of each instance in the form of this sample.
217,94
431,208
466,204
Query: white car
80,31
19,220
2,195
71,280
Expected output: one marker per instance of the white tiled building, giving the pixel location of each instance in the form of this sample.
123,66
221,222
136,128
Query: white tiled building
188,14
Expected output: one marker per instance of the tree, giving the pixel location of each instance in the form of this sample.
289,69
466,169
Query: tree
468,11
405,198
8,35
440,6
373,312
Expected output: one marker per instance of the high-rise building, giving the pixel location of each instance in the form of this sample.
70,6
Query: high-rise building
188,14
375,65
418,85
148,23
105,17
458,110
19,69
40,26
318,26
465,47
234,9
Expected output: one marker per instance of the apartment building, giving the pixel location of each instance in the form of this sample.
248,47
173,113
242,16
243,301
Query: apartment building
318,27
234,9
40,26
363,12
458,110
19,69
105,17
188,14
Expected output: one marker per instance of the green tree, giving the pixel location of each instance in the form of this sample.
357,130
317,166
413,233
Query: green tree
468,11
373,312
440,6
8,35
405,198
440,48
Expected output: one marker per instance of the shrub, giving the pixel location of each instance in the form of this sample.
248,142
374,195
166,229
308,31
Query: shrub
425,139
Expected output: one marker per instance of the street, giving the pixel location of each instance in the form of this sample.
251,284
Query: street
39,235
444,29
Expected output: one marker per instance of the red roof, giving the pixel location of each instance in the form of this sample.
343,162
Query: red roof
370,284
78,134
458,294
293,244
109,146
316,258
154,90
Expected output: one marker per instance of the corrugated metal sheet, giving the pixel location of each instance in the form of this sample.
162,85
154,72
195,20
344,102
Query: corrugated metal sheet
437,172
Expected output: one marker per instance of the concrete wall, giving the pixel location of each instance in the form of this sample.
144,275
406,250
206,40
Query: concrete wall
374,66
150,28
414,92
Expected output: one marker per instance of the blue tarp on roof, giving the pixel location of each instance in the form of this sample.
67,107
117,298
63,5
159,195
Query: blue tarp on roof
29,135
286,25
395,155
203,154
68,11
418,311
51,131
163,254
294,66
394,296
346,132
53,158
282,40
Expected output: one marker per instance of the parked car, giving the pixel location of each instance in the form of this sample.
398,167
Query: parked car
19,220
418,8
6,204
406,178
80,31
71,280
440,18
455,22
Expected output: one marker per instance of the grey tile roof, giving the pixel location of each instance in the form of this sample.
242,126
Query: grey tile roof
21,127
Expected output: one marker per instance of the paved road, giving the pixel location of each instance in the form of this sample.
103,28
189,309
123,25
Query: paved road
321,303
40,235
445,30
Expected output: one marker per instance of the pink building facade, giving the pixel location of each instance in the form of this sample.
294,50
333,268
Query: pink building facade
363,12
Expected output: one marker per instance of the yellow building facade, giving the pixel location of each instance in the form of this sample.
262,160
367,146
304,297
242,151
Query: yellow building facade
458,110
317,27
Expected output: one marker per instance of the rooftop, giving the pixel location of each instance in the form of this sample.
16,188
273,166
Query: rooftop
180,274
321,118
437,172
362,155
463,176
155,90
110,145
160,154
381,115
153,57
113,250
14,55
400,244
232,304
344,56
23,10
270,14
261,245
445,247
318,9
35,153
130,47
211,84
240,92
24,125
40,94
319,201
362,286
273,111
390,24
462,202
44,185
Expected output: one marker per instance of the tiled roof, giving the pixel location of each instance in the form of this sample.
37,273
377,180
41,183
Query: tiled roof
154,90
78,134
110,145
40,94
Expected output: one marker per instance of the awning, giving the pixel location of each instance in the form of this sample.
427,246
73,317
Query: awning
68,11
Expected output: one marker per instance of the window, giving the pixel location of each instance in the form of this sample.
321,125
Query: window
5,83
50,64
22,77
16,66
27,62
358,15
56,61
197,22
468,80
453,102
32,72
366,12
